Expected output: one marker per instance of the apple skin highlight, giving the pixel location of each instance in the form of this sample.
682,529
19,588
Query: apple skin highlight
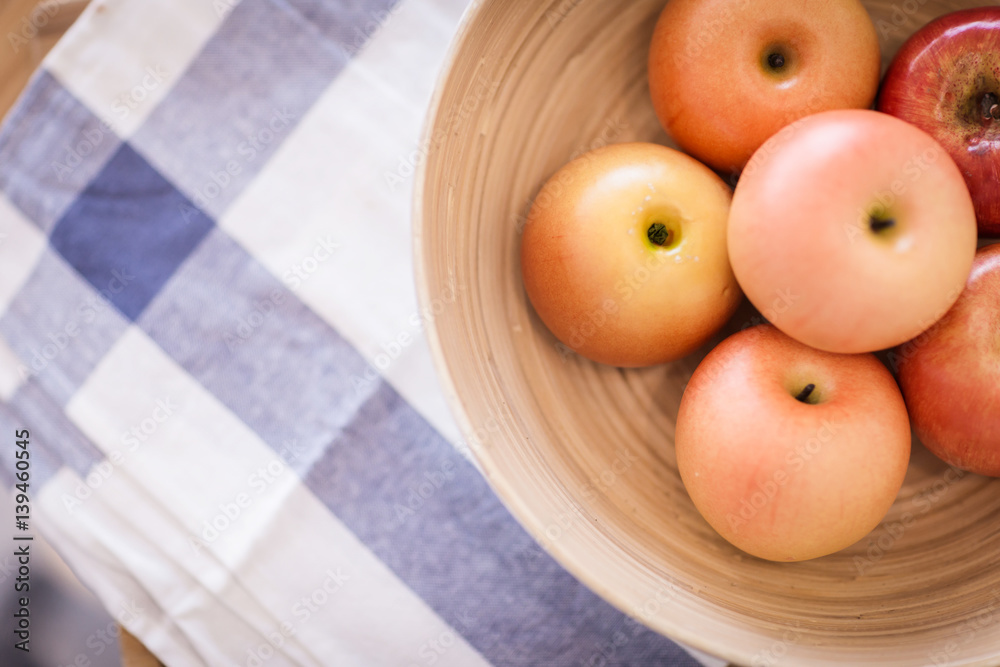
941,81
781,478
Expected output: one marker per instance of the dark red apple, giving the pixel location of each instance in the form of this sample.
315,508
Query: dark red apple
946,81
950,375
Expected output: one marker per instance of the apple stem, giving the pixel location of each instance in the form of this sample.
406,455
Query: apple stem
991,106
879,225
803,396
658,234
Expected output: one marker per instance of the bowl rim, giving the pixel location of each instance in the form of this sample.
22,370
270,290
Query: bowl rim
503,488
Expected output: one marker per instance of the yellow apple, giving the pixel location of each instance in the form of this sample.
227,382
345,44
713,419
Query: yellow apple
624,255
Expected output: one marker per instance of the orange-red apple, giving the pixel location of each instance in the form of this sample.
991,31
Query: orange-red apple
727,74
788,452
863,219
624,255
950,375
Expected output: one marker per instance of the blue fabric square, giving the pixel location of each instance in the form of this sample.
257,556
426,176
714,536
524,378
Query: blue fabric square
129,231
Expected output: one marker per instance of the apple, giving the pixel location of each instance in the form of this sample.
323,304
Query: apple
950,375
863,220
624,257
788,452
946,80
725,75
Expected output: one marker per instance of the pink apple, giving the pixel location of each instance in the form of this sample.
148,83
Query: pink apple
788,452
950,375
946,81
863,219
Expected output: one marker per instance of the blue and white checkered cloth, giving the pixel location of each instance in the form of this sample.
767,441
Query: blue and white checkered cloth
208,324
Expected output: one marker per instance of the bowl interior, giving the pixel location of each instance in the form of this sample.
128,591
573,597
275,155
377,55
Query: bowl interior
582,453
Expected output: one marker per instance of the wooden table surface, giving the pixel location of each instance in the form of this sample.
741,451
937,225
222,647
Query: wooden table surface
29,29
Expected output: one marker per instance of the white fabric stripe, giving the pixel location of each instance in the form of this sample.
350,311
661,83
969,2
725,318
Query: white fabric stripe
21,243
329,179
119,88
125,599
232,480
172,589
10,378
188,583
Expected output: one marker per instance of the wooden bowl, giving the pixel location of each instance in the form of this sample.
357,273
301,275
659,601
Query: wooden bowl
583,454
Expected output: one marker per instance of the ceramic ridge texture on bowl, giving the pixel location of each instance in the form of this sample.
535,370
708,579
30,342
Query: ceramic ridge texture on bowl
583,455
